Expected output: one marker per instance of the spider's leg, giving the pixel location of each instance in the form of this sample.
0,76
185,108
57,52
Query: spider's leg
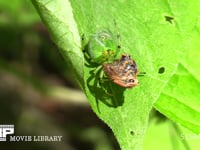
102,79
141,73
118,37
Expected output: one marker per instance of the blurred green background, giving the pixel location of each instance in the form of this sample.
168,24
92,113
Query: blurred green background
39,95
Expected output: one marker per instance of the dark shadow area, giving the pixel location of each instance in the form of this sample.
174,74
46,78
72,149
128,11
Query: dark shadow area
105,90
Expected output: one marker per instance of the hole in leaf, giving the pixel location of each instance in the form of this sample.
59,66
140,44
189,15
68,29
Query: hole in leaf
132,132
161,70
169,19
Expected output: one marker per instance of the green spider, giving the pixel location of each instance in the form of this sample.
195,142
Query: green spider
101,47
101,51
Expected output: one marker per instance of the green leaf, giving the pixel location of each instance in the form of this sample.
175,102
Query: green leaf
152,41
180,98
